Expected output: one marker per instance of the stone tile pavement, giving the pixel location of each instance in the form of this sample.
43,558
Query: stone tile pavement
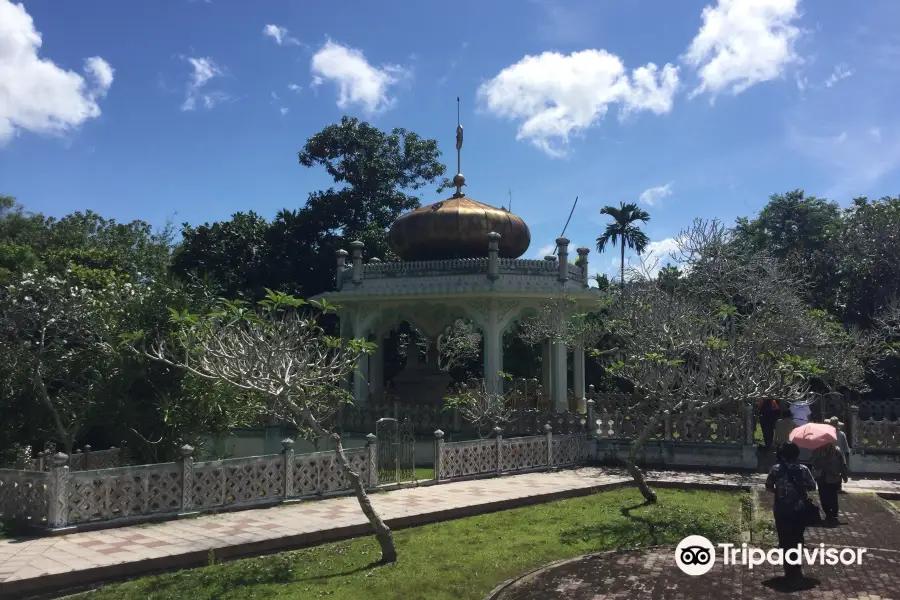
34,565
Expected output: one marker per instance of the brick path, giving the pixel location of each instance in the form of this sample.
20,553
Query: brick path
865,521
33,565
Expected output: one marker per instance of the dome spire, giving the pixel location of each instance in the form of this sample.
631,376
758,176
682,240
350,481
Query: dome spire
458,180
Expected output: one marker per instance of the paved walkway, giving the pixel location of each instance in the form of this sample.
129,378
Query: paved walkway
32,565
865,522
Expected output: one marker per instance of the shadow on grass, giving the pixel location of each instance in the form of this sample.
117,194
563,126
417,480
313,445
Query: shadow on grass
659,525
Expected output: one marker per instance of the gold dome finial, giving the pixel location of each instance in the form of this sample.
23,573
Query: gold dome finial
458,180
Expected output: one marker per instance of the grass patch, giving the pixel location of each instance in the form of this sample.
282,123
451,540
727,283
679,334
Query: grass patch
453,560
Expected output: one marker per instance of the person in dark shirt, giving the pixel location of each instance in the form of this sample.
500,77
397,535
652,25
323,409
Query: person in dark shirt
768,415
791,483
830,468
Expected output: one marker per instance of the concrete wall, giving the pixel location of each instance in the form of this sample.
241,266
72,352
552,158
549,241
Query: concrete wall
681,454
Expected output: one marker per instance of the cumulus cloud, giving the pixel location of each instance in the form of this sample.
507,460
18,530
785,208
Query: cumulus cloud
742,43
658,254
295,88
280,35
204,71
651,196
35,94
358,82
557,95
545,251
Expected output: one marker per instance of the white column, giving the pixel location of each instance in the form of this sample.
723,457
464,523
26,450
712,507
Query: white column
578,377
346,329
376,370
545,366
493,353
361,377
558,377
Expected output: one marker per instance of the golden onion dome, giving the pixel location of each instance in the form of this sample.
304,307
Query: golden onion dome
457,228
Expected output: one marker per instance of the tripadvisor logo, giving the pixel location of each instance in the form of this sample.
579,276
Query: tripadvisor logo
696,555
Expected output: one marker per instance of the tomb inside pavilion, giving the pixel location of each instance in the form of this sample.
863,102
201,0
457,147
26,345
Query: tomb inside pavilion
459,259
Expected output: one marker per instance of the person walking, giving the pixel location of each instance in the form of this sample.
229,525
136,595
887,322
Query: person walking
768,411
801,413
783,428
791,482
842,443
830,469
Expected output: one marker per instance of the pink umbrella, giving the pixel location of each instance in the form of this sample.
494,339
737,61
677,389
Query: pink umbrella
813,435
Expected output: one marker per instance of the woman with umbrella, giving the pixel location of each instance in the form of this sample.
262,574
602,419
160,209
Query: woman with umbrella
828,463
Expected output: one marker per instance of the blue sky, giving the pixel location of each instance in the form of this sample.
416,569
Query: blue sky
195,109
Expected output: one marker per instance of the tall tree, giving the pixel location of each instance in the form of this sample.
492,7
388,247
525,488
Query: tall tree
624,231
376,175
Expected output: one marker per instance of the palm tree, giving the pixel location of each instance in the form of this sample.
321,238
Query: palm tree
624,231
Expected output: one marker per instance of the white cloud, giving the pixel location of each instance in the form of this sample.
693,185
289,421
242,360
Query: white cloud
545,251
280,35
295,88
284,110
657,255
559,95
840,72
358,82
653,195
742,43
205,70
35,94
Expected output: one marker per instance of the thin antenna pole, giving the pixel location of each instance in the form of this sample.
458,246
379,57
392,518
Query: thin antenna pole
571,212
458,144
510,199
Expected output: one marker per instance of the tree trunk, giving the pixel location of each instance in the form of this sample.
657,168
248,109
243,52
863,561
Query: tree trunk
68,441
623,265
383,533
630,463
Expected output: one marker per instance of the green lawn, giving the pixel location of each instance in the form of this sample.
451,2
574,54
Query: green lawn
453,560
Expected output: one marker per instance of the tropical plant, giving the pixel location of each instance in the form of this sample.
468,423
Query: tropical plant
624,231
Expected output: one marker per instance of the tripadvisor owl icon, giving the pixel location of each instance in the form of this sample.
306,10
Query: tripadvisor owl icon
695,555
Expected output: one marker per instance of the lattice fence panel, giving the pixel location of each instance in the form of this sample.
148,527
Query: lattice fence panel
320,472
524,453
566,449
130,491
253,479
468,458
209,484
879,435
23,495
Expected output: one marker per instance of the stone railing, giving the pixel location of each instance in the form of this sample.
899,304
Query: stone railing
876,435
83,460
426,419
697,428
499,455
61,498
23,494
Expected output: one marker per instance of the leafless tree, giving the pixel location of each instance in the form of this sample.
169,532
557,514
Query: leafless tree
735,330
458,345
279,350
485,409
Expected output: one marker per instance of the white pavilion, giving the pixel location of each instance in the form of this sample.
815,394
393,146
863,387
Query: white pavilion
459,260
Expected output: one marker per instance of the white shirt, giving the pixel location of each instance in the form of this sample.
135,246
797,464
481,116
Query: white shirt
800,413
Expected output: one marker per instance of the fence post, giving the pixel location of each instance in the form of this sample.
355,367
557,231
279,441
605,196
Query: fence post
853,429
749,426
438,453
372,457
87,457
122,454
187,478
591,418
498,444
58,492
287,445
667,424
548,431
